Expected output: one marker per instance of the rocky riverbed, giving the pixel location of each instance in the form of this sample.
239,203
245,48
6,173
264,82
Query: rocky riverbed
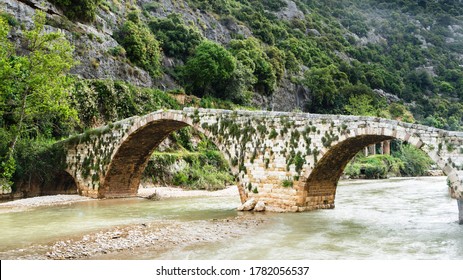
129,239
157,236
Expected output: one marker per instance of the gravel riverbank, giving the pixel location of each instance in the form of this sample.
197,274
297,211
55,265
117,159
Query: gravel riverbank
129,241
50,200
147,191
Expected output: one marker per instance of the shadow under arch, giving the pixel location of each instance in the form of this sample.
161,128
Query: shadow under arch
63,183
125,171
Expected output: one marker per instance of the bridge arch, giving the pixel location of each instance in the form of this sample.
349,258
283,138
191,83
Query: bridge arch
129,160
319,189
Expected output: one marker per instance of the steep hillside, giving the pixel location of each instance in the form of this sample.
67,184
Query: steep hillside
311,55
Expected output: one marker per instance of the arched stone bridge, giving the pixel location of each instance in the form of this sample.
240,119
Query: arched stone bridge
290,161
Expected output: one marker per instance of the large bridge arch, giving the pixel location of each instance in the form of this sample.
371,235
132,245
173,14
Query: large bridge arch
130,159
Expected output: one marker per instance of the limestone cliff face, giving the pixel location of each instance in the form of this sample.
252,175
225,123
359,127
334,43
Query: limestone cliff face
95,44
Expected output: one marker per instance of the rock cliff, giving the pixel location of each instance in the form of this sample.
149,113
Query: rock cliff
96,47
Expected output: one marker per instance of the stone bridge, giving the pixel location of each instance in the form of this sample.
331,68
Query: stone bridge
289,161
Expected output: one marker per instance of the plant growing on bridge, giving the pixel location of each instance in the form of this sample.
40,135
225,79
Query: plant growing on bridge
287,183
273,134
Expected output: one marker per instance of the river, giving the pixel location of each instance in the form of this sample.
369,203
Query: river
400,218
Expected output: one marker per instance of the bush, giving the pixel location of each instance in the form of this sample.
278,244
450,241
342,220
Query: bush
287,183
177,39
180,179
38,159
209,70
206,170
140,45
415,161
109,101
190,161
373,167
84,10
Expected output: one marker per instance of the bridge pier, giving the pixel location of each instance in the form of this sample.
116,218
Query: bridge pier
460,211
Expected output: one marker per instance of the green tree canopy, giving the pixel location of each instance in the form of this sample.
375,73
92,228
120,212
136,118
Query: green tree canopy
141,46
325,85
252,55
208,70
177,39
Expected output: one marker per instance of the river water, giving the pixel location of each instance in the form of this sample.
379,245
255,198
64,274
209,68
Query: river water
406,218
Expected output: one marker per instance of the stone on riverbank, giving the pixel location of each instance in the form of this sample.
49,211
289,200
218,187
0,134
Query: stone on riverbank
248,205
260,207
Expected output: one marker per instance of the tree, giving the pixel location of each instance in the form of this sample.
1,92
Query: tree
361,106
400,112
252,55
325,84
209,70
177,39
35,88
141,46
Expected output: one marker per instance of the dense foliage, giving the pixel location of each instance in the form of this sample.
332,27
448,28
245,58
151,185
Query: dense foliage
104,101
405,160
34,91
409,49
398,59
140,45
83,10
209,70
177,39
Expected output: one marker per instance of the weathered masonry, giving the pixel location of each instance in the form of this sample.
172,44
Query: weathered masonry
289,161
